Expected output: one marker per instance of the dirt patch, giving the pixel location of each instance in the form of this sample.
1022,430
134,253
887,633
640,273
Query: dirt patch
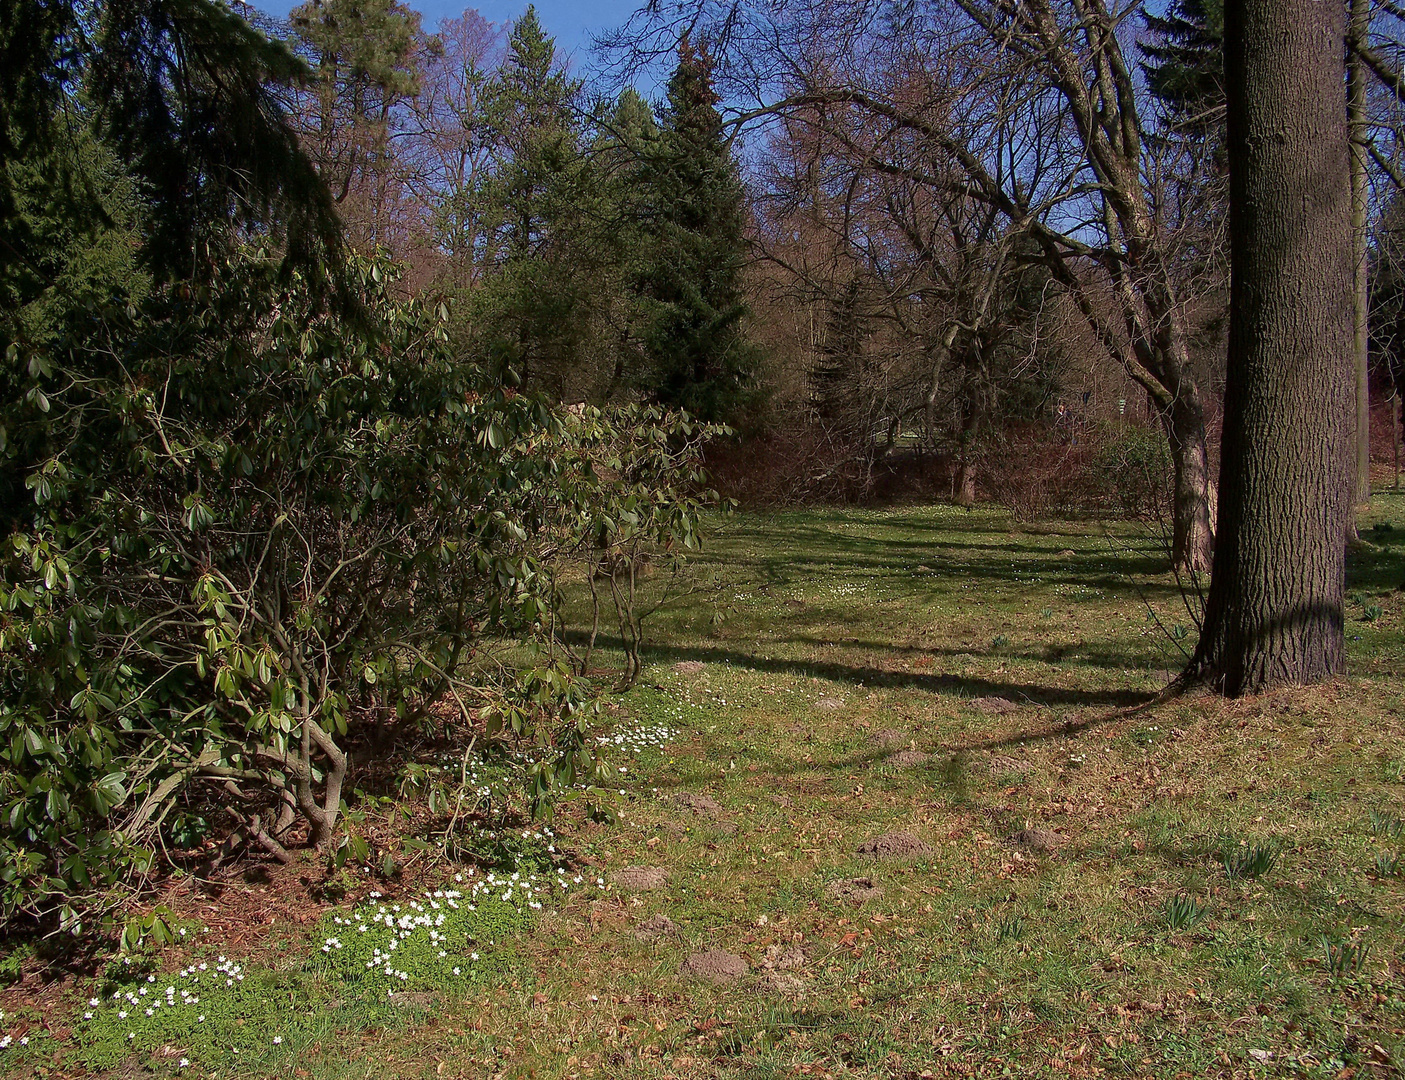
897,845
715,965
993,706
1038,841
640,878
857,890
655,927
784,957
689,667
783,982
889,737
907,759
830,704
1003,763
701,805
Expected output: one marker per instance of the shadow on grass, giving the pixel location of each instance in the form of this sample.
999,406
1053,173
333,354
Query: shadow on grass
1021,693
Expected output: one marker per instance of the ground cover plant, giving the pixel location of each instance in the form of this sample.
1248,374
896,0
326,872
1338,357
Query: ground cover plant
885,809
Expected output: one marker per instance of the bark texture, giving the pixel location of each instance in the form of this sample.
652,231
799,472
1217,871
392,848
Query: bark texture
1274,614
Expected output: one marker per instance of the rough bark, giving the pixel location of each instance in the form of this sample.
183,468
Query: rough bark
1274,613
1192,521
1361,294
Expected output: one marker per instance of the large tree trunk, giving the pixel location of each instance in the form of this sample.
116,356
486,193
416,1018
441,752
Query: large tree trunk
1274,614
1361,296
1192,506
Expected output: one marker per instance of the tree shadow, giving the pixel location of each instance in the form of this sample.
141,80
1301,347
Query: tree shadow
965,686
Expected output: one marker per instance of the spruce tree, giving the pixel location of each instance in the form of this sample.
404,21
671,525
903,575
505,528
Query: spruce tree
1184,68
532,204
699,358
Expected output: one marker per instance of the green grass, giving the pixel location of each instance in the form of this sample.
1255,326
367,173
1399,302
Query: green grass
1217,902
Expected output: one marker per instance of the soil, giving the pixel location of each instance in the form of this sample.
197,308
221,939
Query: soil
715,965
889,737
856,891
993,706
897,845
907,759
1038,841
784,957
700,805
829,704
655,927
640,878
689,667
783,982
1002,763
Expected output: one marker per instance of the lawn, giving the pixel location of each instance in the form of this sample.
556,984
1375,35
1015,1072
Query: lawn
1068,881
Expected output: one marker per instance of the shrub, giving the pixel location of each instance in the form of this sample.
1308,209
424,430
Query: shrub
258,529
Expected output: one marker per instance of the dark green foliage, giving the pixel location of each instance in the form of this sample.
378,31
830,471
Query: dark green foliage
690,281
1184,66
191,100
191,97
535,307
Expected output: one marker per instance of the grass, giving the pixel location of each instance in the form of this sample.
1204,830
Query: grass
1218,897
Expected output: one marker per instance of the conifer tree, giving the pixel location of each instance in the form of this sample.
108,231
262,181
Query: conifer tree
533,204
699,358
1184,68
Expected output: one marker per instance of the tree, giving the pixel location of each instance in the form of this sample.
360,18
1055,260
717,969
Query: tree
1031,108
537,284
699,357
191,99
366,62
1274,612
1184,70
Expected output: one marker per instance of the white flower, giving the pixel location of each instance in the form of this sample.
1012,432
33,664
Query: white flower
277,1039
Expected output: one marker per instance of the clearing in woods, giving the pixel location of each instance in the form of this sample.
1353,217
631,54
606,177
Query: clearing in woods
904,825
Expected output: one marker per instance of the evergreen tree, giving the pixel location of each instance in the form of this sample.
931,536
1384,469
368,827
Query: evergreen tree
365,57
536,289
1184,68
699,358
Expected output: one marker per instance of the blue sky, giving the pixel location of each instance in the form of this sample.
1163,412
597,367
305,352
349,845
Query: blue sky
571,21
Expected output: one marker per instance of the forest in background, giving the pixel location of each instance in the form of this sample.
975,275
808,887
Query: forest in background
872,317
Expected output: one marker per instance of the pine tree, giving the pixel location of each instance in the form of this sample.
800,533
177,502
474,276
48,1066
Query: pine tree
365,57
699,357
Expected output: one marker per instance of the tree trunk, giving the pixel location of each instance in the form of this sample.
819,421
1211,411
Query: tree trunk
1192,513
1274,614
1361,295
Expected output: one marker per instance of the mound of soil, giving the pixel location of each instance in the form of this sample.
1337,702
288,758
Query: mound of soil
897,845
701,805
829,704
784,957
783,982
993,706
907,759
689,667
640,878
889,737
857,890
1002,763
655,927
715,965
1038,841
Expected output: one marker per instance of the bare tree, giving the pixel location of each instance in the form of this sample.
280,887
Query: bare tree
1028,107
